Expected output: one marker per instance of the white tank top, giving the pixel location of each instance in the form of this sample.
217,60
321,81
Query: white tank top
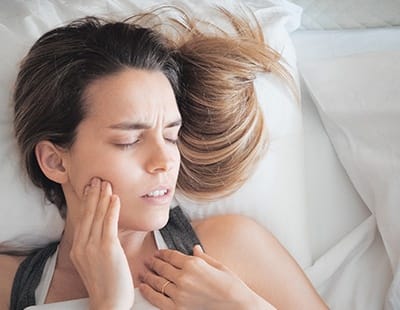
83,303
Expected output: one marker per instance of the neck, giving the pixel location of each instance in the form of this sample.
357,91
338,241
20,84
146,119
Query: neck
131,241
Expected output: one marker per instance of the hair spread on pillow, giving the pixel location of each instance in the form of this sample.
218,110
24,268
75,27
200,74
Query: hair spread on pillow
211,71
223,134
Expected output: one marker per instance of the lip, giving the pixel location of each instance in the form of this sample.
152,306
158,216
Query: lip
158,187
160,200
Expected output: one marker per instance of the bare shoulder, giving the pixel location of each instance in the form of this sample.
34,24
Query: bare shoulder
8,267
227,228
231,238
259,259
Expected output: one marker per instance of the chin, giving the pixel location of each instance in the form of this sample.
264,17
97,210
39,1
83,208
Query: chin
148,221
161,222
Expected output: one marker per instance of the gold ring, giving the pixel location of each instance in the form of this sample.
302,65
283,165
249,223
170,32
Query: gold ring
164,287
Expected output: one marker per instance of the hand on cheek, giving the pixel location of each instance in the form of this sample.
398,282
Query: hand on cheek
96,250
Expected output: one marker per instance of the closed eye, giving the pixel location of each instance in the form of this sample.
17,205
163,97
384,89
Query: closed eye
126,145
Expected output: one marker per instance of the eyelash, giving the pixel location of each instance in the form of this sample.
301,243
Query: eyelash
126,145
129,145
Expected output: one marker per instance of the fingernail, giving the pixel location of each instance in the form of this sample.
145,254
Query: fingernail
95,182
103,185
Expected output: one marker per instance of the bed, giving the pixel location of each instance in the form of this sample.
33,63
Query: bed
348,57
338,153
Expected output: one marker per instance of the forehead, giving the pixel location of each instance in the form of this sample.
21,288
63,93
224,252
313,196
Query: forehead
131,93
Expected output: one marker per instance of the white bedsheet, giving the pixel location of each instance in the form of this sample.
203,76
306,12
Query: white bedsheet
355,271
351,269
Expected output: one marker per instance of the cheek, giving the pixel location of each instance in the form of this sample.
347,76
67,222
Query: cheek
118,172
121,179
88,165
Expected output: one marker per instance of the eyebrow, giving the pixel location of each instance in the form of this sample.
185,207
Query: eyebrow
138,125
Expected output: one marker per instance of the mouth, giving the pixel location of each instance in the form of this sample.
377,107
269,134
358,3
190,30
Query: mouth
159,196
157,193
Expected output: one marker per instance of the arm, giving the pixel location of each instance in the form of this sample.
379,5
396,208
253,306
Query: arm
248,269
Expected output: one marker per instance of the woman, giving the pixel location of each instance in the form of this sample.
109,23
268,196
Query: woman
99,108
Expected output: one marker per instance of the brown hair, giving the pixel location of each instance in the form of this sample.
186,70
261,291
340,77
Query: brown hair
48,96
223,134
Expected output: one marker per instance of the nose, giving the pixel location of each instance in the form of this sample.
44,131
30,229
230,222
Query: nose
161,158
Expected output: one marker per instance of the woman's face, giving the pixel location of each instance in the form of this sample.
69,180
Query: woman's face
129,139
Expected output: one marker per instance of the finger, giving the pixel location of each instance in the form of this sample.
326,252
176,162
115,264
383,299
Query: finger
110,229
89,202
101,211
159,284
162,268
175,258
157,299
198,251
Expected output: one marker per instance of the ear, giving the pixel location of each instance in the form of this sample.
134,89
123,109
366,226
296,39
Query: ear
51,159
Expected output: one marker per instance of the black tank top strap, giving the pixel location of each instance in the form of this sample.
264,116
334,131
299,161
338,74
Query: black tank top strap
27,277
178,234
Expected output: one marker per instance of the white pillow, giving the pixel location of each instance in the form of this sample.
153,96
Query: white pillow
274,195
25,220
358,100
